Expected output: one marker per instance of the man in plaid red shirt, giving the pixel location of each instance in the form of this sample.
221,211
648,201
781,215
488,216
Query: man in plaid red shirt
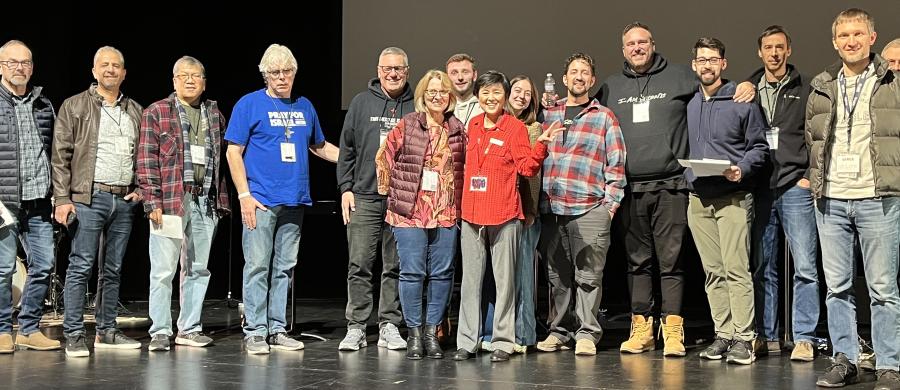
584,181
179,171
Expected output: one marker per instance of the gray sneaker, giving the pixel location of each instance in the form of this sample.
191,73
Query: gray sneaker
193,339
115,339
256,345
389,337
353,341
76,347
283,342
159,342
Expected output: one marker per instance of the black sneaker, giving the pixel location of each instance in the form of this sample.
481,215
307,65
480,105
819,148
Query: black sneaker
76,347
159,342
887,380
741,352
716,350
115,339
839,374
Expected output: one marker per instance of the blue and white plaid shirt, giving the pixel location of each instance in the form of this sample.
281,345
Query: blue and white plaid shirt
34,164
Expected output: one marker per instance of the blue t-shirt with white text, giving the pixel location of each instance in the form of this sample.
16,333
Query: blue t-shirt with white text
259,123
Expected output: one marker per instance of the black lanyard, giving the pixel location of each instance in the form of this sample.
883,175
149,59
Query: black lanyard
641,90
849,108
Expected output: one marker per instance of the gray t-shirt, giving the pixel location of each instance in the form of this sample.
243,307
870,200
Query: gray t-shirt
197,139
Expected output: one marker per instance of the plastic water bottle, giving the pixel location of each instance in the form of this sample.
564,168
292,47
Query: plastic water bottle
550,90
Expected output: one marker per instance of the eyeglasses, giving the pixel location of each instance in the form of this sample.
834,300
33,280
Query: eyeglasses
711,61
431,93
638,43
277,73
399,69
185,77
13,64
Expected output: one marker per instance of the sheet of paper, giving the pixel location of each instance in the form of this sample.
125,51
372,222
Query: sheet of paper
6,215
706,166
171,227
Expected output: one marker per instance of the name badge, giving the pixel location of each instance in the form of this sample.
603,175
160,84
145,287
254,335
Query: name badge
383,136
122,146
772,138
429,180
640,112
848,165
478,184
288,152
198,154
498,142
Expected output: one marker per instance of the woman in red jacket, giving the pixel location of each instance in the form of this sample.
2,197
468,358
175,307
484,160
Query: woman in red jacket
498,151
420,168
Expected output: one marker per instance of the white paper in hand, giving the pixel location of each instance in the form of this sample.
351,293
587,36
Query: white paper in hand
706,166
8,218
171,227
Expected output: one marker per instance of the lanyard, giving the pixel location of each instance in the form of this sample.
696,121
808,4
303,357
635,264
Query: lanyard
287,129
849,108
641,90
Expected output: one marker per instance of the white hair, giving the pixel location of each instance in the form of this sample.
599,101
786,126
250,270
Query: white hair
188,60
396,51
109,48
277,56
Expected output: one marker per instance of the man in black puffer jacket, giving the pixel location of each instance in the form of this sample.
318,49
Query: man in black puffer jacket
26,130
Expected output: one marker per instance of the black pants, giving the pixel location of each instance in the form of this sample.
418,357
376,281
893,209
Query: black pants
654,223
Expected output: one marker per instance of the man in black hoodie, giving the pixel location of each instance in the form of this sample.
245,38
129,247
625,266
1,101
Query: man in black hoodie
372,114
783,199
649,98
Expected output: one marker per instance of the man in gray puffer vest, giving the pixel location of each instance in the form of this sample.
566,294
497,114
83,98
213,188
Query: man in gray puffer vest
26,130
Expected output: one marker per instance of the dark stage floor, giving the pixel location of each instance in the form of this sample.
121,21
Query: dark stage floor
320,365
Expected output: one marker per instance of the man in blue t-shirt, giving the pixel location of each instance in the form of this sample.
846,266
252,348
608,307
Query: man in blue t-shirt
268,135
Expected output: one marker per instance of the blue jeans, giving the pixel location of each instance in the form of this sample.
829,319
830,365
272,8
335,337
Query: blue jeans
35,227
425,254
875,223
274,244
199,226
110,216
795,212
525,321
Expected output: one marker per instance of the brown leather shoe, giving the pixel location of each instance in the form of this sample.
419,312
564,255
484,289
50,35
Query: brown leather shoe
6,343
37,341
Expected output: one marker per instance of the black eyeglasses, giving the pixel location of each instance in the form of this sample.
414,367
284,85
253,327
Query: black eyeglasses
710,60
12,64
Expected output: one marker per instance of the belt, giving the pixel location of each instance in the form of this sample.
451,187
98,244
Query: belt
115,190
193,190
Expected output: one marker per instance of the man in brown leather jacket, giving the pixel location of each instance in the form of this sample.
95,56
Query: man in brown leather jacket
93,168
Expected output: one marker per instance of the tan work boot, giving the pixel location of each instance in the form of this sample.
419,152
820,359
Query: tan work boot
585,347
6,343
551,344
37,341
641,339
803,352
672,330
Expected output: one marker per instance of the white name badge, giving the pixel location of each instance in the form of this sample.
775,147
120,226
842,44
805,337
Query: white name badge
848,165
429,180
478,184
498,142
198,154
288,152
122,145
383,136
772,138
640,112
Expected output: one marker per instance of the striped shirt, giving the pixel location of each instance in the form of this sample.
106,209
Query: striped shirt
586,163
34,164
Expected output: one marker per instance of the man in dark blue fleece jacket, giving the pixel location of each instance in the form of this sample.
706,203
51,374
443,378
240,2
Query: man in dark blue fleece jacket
720,208
371,115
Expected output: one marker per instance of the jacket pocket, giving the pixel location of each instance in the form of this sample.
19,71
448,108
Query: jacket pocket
168,145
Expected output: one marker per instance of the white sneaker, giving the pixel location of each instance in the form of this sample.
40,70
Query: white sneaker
353,341
283,342
389,337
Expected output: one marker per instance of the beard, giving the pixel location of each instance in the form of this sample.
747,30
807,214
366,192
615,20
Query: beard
708,79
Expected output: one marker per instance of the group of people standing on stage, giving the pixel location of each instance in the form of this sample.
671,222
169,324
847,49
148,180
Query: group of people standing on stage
485,164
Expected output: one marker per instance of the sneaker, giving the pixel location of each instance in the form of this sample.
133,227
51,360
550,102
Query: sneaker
804,351
867,359
551,344
353,341
159,342
672,330
115,339
389,337
641,338
774,346
839,374
585,347
887,380
520,348
6,343
37,341
741,352
284,342
486,346
76,347
193,339
716,350
256,345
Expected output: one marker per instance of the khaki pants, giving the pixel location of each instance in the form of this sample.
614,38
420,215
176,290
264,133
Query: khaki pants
720,228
